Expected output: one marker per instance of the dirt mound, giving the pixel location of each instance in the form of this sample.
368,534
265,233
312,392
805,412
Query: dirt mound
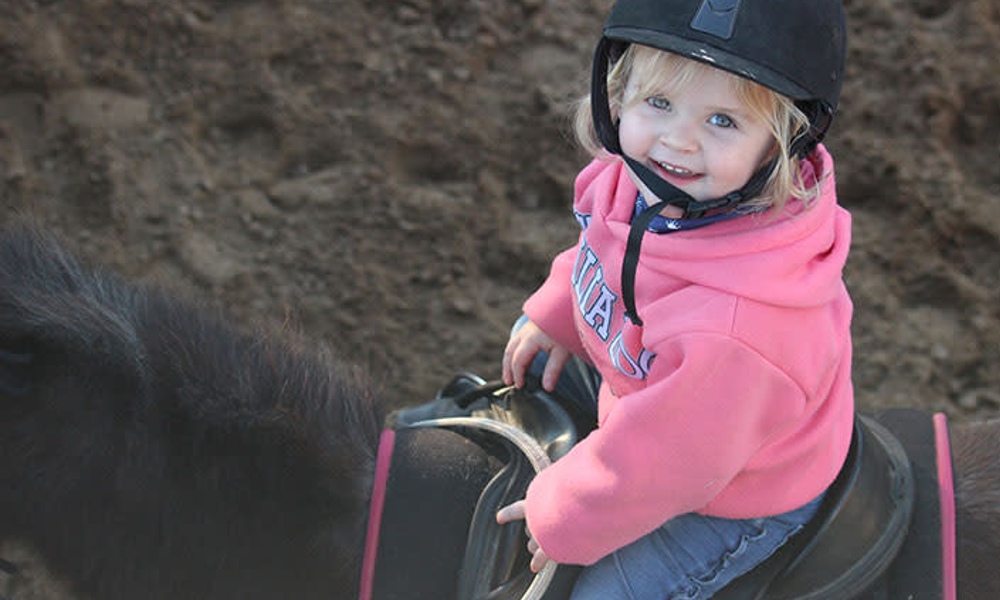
393,177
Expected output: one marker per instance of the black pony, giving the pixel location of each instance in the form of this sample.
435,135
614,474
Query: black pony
149,449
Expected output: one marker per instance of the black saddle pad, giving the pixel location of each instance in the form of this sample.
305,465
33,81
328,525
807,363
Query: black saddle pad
916,574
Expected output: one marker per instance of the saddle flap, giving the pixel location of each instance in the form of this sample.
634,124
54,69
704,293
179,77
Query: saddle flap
454,463
433,484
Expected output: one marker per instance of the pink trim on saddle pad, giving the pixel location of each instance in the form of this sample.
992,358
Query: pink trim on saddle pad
382,462
947,497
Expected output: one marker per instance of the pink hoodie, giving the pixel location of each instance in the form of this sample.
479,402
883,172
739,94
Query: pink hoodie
734,398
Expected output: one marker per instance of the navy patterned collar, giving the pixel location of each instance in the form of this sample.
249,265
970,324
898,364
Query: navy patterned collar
661,224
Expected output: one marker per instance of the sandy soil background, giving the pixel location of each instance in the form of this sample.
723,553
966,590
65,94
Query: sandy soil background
393,176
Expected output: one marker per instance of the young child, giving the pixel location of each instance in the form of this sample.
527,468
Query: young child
706,288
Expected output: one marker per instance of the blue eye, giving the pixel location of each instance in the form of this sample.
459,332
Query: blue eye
721,120
658,102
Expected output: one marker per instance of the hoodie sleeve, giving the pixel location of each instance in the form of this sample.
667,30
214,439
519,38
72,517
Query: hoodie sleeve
667,449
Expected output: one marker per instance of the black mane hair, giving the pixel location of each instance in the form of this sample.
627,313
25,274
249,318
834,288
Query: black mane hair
148,449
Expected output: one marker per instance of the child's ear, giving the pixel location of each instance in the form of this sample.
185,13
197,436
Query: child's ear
772,153
615,108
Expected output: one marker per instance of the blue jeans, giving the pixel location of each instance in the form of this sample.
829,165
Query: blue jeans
690,557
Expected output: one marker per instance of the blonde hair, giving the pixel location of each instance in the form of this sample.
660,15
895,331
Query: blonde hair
657,69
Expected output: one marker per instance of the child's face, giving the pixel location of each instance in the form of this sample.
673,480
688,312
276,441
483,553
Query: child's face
698,136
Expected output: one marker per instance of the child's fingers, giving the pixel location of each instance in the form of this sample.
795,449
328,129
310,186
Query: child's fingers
538,560
514,512
533,545
509,367
558,357
516,361
511,512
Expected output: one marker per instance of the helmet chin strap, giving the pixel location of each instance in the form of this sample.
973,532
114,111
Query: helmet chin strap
693,209
674,196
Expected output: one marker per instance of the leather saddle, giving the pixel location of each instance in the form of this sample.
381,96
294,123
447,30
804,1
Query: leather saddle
440,538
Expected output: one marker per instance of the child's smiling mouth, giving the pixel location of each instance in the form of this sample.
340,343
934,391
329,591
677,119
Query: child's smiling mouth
670,171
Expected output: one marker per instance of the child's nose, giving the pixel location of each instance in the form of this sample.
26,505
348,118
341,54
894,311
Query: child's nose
679,135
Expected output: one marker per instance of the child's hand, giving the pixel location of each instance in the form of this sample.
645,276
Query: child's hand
521,349
515,512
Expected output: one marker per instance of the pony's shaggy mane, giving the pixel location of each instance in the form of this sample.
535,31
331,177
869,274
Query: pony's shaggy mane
146,445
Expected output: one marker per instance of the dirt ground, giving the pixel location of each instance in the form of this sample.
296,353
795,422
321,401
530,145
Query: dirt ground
393,176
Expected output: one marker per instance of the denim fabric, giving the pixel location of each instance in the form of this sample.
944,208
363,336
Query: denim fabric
689,558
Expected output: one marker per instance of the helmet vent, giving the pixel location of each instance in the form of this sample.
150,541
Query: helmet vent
716,17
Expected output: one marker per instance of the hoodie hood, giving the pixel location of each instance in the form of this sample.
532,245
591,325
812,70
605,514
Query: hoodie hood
793,259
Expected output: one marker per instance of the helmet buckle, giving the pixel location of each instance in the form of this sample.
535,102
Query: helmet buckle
716,17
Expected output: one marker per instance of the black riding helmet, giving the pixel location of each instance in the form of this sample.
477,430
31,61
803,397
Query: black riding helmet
795,47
